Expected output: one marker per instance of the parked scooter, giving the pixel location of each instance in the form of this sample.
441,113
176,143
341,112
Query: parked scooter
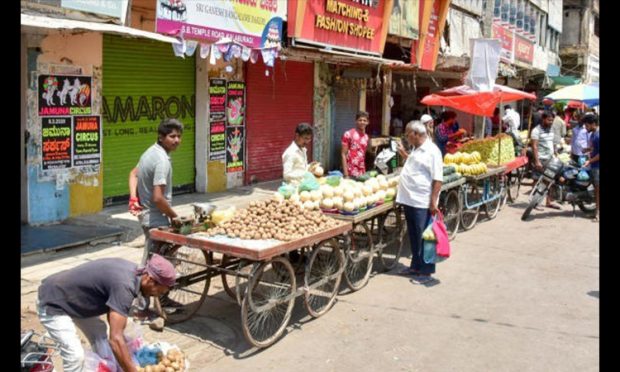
570,183
37,352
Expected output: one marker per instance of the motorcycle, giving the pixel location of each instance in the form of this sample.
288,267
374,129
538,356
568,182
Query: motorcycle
37,352
568,183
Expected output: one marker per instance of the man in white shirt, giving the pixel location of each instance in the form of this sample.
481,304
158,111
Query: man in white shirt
295,159
418,190
511,120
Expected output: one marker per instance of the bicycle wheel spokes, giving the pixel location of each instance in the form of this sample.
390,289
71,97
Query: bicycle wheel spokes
268,302
392,237
451,209
322,277
359,257
193,280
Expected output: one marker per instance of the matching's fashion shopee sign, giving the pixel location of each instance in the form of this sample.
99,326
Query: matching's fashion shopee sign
359,25
433,15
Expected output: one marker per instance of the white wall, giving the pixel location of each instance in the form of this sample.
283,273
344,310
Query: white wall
462,28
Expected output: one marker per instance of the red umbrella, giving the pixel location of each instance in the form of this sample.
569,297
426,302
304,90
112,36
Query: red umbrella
466,99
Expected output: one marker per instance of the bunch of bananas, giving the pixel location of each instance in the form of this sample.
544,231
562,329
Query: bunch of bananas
489,149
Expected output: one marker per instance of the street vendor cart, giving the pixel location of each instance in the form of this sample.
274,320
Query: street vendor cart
484,190
451,205
267,283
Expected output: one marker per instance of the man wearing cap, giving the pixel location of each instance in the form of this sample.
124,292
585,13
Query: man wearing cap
79,296
429,123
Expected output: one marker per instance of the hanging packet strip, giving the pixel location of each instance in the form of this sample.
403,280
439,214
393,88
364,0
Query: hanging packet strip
204,50
191,47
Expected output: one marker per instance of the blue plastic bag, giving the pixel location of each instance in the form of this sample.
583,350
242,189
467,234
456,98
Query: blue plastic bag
583,175
286,190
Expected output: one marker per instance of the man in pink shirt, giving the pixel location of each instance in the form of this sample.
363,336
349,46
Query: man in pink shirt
354,144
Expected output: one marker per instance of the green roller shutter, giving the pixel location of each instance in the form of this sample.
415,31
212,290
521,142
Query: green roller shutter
143,82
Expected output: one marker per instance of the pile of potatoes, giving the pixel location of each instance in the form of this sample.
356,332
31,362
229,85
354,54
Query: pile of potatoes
283,220
173,361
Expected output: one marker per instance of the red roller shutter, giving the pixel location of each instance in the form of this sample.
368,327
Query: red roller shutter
275,105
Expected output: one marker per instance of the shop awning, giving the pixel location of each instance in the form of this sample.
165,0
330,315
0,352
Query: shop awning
564,81
28,20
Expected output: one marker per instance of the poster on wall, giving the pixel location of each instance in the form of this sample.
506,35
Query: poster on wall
61,95
217,119
56,143
255,24
405,19
86,140
235,103
235,148
433,15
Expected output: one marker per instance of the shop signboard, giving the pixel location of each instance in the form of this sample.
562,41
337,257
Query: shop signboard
253,23
405,19
506,38
217,119
235,149
524,50
356,25
114,8
62,95
86,140
433,15
56,142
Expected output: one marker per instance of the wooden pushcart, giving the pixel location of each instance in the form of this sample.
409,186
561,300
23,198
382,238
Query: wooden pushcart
266,283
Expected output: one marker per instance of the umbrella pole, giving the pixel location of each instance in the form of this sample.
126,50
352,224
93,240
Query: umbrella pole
501,124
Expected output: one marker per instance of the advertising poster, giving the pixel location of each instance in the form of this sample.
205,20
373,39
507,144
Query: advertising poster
56,143
506,39
217,119
433,15
86,140
405,19
235,148
255,24
62,95
524,50
235,103
349,25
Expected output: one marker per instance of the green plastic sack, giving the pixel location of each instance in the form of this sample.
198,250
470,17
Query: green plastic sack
286,190
333,180
309,183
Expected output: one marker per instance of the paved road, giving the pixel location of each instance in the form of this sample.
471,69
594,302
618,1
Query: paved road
514,296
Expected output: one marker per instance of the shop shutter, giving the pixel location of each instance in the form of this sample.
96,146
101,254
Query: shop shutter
159,85
275,105
346,106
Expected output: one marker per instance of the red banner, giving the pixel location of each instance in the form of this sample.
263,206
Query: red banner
349,24
505,36
524,50
433,15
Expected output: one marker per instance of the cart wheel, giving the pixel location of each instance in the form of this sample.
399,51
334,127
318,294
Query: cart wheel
514,184
359,257
268,302
392,232
235,285
322,277
192,285
491,208
451,209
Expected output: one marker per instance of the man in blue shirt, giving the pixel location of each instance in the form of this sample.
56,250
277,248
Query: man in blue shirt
591,122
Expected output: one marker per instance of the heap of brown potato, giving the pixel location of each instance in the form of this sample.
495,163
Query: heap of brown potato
273,219
173,361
